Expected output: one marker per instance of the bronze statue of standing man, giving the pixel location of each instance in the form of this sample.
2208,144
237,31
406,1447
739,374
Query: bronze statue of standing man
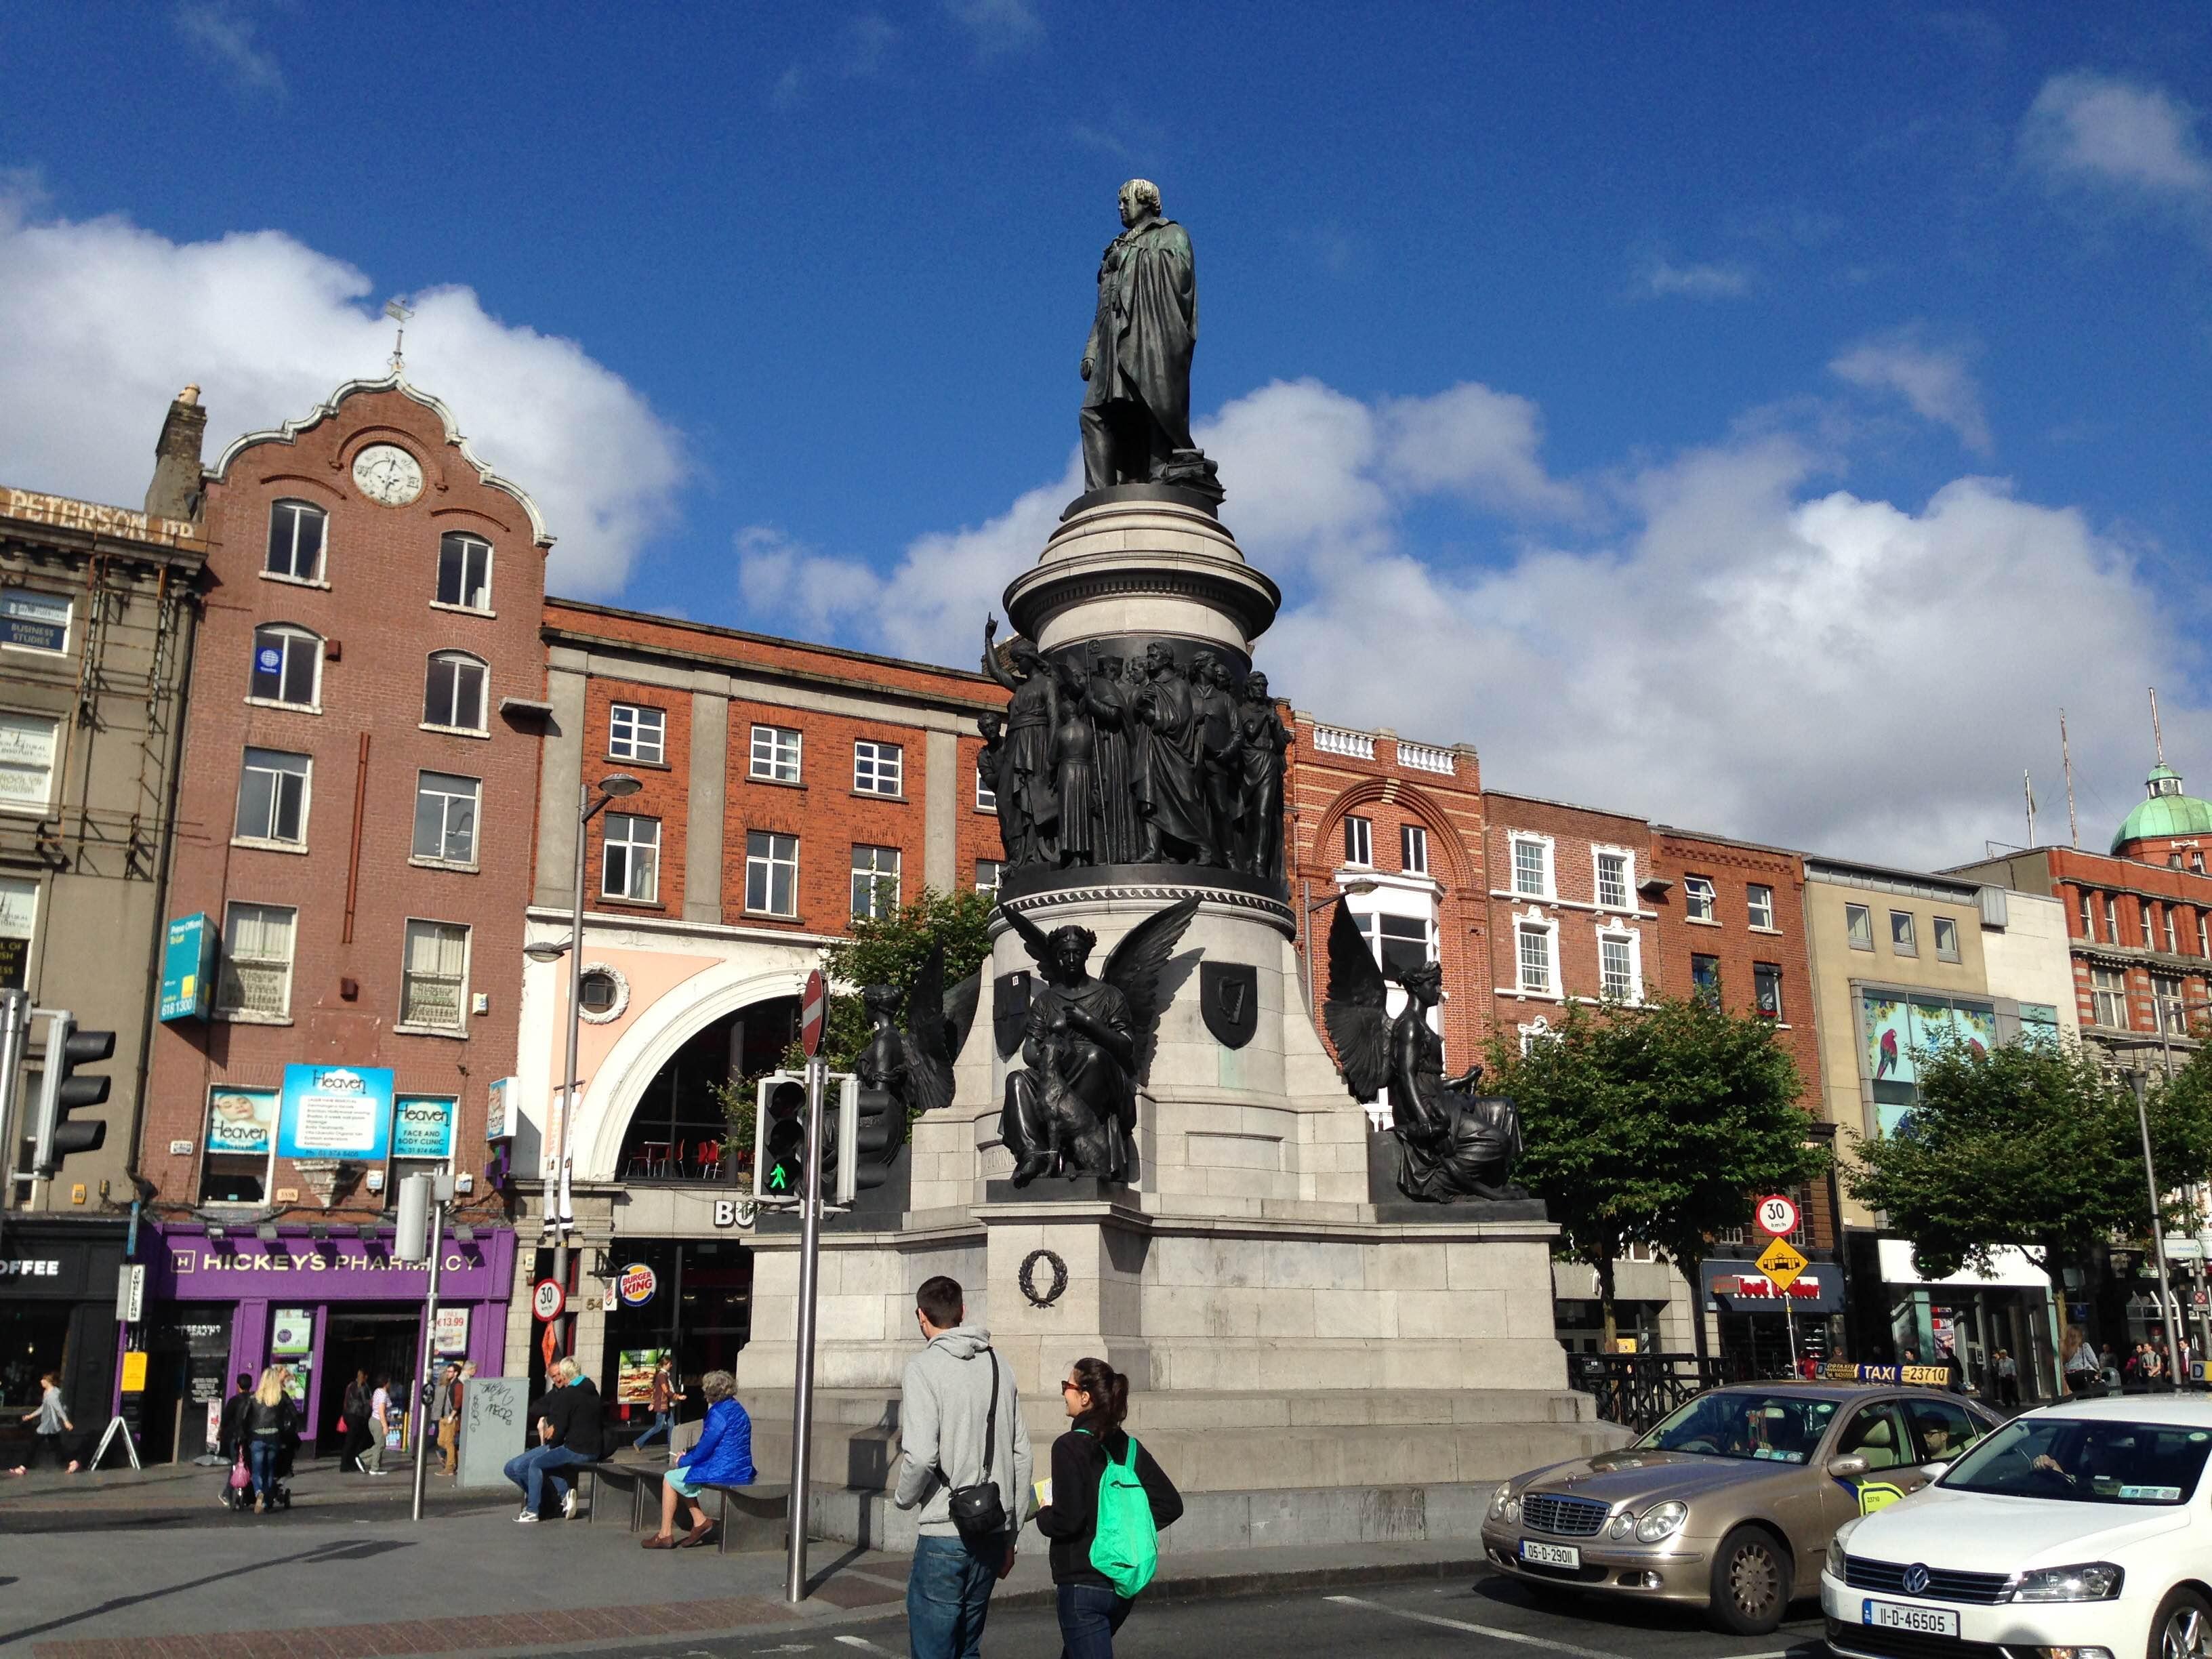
1136,409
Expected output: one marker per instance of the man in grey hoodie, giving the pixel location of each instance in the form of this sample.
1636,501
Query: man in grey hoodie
944,1402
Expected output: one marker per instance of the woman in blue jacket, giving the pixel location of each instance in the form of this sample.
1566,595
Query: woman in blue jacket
723,1457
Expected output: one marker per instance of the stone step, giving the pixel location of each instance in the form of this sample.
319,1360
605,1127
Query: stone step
868,1408
1431,1512
1203,1457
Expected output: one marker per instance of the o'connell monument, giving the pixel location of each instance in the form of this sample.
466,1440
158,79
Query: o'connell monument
1149,1154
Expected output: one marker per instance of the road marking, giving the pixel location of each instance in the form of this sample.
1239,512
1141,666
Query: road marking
1491,1631
865,1646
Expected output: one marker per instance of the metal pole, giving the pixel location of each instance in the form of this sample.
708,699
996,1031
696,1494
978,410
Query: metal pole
15,1032
422,1419
2166,1309
557,1204
809,1254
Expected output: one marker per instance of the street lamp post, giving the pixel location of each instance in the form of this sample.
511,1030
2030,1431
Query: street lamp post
558,1218
2167,1311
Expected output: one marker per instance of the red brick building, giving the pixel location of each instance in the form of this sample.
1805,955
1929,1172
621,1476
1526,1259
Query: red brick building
1403,822
356,822
784,788
2138,922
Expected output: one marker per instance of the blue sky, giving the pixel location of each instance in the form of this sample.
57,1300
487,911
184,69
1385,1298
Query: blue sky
1761,417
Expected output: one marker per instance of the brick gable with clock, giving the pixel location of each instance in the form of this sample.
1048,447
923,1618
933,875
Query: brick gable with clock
361,774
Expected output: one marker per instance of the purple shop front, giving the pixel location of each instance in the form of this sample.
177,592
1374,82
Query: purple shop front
329,1306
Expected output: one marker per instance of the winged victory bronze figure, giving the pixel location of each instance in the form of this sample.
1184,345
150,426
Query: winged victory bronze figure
1087,1046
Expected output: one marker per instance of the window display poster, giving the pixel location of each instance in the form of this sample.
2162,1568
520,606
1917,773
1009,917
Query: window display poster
342,1112
634,1382
291,1333
297,1377
241,1121
1976,1025
423,1127
452,1336
1889,1039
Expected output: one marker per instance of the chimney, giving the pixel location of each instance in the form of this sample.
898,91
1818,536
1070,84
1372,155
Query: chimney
175,492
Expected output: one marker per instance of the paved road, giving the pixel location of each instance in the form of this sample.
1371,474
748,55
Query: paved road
1487,1619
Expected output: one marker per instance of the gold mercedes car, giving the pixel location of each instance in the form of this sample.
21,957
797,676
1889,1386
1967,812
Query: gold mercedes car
1728,1503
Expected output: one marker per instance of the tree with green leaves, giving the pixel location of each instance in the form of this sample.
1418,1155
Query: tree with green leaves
885,949
2034,1145
1658,1124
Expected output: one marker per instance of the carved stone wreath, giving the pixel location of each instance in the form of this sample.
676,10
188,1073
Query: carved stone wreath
1027,1277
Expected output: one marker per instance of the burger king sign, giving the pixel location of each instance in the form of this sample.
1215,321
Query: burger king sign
635,1288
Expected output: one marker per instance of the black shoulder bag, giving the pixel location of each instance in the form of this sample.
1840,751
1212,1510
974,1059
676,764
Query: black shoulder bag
979,1512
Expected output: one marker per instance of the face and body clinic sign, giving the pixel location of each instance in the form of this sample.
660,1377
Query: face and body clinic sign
336,1112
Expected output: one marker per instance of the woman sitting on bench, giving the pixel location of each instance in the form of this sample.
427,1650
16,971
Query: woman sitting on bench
723,1457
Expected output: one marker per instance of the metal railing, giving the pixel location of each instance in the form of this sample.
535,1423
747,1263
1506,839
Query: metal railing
1637,1389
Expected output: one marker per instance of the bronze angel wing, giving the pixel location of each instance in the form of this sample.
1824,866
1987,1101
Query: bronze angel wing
1033,936
1355,1012
960,1010
926,1039
1137,967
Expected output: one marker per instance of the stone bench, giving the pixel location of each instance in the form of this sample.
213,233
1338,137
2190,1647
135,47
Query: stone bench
761,1519
634,1478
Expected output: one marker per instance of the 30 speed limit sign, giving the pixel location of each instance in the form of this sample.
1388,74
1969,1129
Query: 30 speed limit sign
547,1300
1777,1216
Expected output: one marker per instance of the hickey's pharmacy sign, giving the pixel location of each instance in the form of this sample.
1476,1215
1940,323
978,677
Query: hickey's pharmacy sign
190,1267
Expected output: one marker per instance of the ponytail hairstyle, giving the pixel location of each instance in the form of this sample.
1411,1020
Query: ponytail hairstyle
1109,1390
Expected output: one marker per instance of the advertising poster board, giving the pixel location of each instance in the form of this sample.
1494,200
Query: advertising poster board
188,967
291,1333
241,1121
499,1114
634,1382
451,1339
423,1127
342,1112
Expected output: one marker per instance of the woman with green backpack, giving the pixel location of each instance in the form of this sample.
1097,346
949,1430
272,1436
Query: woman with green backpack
1102,1508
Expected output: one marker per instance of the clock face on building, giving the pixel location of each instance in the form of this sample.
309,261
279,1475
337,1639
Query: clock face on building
387,473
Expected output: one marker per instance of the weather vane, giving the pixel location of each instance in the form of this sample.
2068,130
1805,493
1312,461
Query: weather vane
400,312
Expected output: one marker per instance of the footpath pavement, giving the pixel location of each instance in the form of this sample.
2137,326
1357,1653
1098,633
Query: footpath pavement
318,1583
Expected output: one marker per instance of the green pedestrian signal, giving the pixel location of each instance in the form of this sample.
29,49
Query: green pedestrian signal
780,1132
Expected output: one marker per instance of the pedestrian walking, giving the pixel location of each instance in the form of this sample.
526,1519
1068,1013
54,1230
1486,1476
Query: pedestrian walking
449,1417
722,1456
966,1469
52,1417
1104,1510
2008,1380
569,1432
353,1424
661,1402
379,1419
271,1421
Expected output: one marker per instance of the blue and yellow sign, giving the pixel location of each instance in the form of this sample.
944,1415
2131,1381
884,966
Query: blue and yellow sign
188,967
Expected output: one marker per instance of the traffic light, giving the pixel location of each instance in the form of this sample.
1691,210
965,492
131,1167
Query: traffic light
62,1092
779,1135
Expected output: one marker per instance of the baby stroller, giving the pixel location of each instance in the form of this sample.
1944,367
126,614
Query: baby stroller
237,1493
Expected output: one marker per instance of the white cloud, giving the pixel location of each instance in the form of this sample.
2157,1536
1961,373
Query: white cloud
2087,129
1737,646
224,36
868,41
998,26
1704,281
1934,380
101,321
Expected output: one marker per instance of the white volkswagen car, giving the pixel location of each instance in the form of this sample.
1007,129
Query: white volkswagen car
2085,1529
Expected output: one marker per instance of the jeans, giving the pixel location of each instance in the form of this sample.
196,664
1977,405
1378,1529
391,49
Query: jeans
662,1422
261,1460
1089,1616
532,1470
948,1596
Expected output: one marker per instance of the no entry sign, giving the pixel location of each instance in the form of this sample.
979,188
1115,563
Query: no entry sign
813,1013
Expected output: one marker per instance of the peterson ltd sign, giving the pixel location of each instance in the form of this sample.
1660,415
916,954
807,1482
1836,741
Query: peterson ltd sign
67,514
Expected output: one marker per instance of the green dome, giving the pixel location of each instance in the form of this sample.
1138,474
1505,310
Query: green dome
2166,812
